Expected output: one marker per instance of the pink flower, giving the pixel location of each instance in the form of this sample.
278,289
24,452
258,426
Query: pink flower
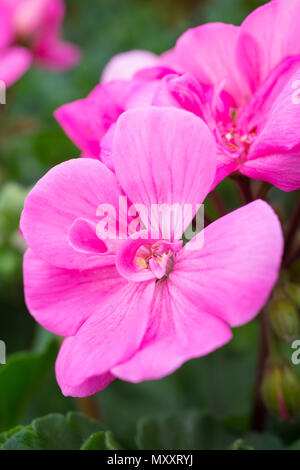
38,25
251,71
90,122
240,80
139,308
14,60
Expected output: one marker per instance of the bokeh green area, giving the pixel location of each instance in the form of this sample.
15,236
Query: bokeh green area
31,142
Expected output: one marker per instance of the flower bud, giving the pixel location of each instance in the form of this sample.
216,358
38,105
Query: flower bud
281,391
293,291
284,318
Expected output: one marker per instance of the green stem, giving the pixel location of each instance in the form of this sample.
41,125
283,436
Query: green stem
218,203
243,184
90,407
291,232
259,411
263,191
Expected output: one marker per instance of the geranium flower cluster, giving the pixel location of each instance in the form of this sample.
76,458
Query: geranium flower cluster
165,130
30,31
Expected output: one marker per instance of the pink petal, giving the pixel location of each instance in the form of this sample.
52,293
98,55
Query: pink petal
282,169
232,275
75,119
257,108
225,166
88,387
56,54
179,330
86,121
69,191
275,29
164,156
14,62
60,299
83,237
6,26
43,17
280,132
274,155
183,92
126,64
110,336
209,53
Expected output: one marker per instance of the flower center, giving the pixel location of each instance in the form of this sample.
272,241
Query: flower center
158,257
234,138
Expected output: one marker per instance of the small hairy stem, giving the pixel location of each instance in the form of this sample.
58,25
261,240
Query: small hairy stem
291,232
263,191
292,258
90,407
218,203
243,184
259,411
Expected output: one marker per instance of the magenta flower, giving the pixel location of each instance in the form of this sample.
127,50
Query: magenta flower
242,81
14,60
137,309
37,24
253,72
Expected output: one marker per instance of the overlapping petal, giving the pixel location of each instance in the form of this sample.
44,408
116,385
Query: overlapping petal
69,191
108,337
164,156
232,275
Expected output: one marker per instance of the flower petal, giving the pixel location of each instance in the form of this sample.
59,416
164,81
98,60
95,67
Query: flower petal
232,275
56,54
71,190
178,331
280,132
209,53
62,299
164,156
110,336
282,169
275,29
86,121
126,64
14,62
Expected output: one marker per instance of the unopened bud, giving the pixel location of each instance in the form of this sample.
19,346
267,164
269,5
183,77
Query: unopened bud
284,318
293,291
281,391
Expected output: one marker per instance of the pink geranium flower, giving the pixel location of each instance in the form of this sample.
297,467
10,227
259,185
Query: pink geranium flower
14,60
241,80
139,308
37,24
251,72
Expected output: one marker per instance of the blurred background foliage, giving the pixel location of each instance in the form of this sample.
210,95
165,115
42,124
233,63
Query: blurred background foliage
31,142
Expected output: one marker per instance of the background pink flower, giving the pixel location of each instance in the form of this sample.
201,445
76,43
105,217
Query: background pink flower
37,25
246,99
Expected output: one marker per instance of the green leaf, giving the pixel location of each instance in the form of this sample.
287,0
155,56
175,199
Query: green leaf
191,430
295,445
55,432
19,379
95,442
239,444
111,442
102,440
4,436
263,441
193,386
